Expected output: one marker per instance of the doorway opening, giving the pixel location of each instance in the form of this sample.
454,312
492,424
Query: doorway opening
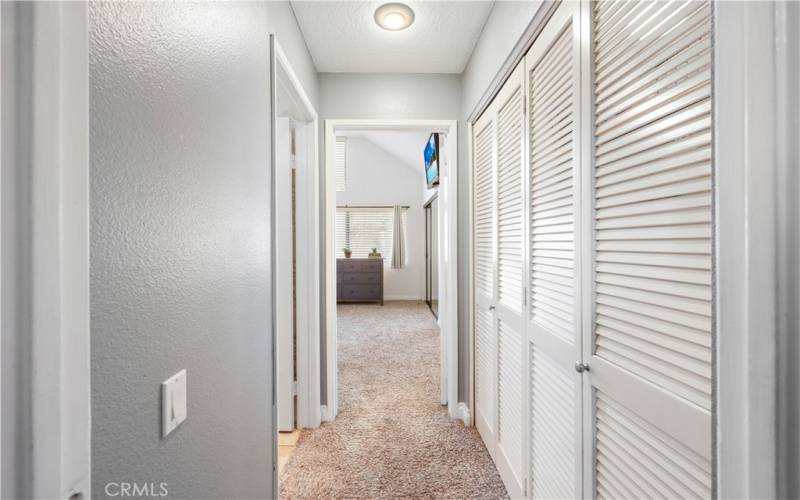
295,289
337,215
432,254
391,364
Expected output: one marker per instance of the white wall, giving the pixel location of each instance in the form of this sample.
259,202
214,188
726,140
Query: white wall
375,177
500,34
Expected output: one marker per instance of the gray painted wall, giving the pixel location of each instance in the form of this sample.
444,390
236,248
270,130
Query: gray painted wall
180,261
379,96
390,96
501,32
788,159
281,22
15,69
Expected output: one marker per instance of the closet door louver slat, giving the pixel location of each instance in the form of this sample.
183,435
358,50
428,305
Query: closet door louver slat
652,235
509,203
552,316
644,458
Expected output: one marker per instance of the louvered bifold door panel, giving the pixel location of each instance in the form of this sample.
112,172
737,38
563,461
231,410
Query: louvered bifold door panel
637,460
553,313
484,274
510,121
652,361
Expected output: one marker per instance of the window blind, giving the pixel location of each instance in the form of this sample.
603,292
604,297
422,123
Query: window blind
340,161
362,229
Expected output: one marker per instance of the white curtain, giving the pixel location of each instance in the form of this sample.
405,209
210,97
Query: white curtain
398,239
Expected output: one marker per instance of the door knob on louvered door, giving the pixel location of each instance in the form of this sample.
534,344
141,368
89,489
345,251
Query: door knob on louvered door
581,367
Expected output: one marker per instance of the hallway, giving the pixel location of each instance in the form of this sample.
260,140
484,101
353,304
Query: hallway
596,198
391,437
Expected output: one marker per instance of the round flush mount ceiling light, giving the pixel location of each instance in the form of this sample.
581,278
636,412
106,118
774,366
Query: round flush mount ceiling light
394,16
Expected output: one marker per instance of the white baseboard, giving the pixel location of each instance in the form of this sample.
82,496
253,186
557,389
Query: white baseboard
464,414
402,297
323,409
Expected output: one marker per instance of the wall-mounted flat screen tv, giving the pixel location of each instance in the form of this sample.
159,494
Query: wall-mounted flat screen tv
432,160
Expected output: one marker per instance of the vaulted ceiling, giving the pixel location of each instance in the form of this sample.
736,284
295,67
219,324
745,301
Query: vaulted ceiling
343,36
405,145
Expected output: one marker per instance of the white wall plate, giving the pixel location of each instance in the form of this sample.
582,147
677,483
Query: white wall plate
173,402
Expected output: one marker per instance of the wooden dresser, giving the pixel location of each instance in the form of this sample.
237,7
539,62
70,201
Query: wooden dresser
359,280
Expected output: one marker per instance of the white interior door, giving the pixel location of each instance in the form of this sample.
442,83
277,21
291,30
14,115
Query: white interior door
553,344
510,106
651,335
284,359
499,229
484,272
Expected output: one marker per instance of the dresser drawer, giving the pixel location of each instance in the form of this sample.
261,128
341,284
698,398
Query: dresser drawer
360,278
360,292
371,265
359,266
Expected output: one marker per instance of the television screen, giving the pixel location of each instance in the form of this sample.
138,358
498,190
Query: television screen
432,160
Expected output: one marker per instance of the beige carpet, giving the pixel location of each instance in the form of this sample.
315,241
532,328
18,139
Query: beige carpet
392,438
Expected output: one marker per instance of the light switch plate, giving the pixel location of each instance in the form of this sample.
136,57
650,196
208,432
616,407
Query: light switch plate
173,402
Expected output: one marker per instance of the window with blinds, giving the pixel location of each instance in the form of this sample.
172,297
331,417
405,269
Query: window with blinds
362,229
340,162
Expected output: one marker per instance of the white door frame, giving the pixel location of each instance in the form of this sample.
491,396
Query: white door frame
284,283
307,258
309,410
45,228
468,409
749,116
448,253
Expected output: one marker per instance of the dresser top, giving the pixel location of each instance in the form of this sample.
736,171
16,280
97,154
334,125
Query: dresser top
359,259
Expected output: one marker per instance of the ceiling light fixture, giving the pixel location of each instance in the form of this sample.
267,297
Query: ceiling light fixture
394,16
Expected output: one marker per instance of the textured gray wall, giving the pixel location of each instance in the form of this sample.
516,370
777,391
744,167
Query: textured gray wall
180,273
393,96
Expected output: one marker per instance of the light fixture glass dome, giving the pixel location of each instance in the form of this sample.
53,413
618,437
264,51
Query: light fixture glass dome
394,16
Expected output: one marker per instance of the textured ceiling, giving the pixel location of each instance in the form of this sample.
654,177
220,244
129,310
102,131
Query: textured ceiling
406,146
343,36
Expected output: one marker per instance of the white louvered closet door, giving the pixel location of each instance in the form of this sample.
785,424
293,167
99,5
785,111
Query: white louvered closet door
651,358
510,120
553,343
484,275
